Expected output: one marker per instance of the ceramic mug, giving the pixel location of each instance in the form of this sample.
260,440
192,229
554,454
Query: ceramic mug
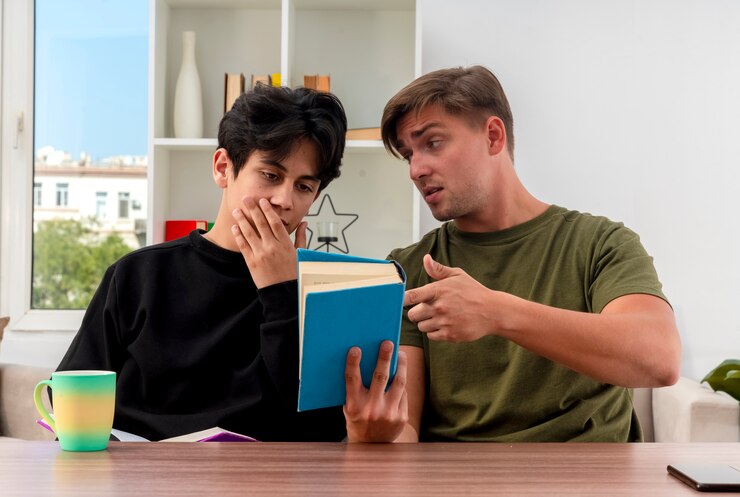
84,403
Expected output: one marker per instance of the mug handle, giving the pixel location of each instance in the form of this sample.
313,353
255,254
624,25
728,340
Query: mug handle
40,405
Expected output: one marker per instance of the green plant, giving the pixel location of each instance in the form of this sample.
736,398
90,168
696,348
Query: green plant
726,378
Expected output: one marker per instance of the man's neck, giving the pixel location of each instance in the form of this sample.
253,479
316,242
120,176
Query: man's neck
510,205
221,234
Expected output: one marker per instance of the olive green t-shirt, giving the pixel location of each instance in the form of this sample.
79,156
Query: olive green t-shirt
495,390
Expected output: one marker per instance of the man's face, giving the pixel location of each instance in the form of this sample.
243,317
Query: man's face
447,162
290,185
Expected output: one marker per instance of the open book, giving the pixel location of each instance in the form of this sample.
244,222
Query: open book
343,301
214,434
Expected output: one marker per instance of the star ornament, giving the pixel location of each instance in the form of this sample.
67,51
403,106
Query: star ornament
320,237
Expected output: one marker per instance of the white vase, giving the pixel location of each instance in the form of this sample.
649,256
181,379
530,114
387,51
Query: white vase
188,115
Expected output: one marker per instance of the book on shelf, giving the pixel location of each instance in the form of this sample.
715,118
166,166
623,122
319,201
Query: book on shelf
233,87
363,134
259,78
178,228
215,434
344,301
317,82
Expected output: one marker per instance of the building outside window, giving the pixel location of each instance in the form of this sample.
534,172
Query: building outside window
89,140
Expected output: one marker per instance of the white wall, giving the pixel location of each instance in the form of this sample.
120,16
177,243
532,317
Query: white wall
629,109
625,108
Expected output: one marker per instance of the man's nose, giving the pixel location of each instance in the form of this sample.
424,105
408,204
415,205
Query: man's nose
282,196
418,167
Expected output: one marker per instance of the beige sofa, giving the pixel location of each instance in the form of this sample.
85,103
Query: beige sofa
18,413
688,411
685,412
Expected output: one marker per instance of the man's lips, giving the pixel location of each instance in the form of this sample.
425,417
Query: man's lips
429,192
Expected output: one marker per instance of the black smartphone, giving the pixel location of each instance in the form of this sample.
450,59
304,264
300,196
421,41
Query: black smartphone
707,477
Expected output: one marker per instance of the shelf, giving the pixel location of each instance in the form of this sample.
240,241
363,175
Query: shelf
210,145
186,144
368,47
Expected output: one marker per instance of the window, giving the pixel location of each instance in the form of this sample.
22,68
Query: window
123,198
89,135
37,194
101,199
62,194
74,104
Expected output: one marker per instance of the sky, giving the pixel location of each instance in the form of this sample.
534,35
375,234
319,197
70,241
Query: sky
91,73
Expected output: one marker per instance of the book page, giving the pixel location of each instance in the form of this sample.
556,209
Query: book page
345,274
341,285
210,433
366,269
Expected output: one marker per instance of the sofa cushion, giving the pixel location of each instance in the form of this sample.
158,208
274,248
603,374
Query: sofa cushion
18,413
690,411
642,401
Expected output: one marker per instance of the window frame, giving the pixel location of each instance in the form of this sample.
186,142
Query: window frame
16,193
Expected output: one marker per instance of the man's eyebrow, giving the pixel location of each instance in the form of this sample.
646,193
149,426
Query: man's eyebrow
279,165
417,133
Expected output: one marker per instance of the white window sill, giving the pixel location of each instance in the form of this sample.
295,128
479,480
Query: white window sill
57,320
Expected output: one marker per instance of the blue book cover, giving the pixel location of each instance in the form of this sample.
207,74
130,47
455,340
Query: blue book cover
354,303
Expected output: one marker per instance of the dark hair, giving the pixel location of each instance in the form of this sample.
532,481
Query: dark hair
274,119
473,93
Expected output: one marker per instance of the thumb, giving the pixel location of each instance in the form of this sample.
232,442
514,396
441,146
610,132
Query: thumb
436,270
300,235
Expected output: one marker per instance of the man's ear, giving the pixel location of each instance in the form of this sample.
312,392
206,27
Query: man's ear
221,166
496,135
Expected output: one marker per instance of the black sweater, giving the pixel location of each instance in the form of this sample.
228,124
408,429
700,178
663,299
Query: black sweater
196,345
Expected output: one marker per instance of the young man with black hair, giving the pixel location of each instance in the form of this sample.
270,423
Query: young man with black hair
197,337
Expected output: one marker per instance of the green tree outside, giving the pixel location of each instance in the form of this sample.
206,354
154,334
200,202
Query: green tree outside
69,260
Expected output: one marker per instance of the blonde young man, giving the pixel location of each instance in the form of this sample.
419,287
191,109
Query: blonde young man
526,321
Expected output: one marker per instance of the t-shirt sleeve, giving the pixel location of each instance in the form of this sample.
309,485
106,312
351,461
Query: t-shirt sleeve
97,344
621,266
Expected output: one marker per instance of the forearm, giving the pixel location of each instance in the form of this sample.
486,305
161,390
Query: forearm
632,343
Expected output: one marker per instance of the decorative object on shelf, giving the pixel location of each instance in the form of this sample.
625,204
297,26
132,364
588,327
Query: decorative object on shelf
327,223
328,231
233,87
188,114
725,378
258,78
363,134
317,82
3,323
275,79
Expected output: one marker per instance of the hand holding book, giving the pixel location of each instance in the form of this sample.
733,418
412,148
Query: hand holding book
374,414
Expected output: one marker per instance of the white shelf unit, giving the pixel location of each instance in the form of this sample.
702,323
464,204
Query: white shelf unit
367,47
